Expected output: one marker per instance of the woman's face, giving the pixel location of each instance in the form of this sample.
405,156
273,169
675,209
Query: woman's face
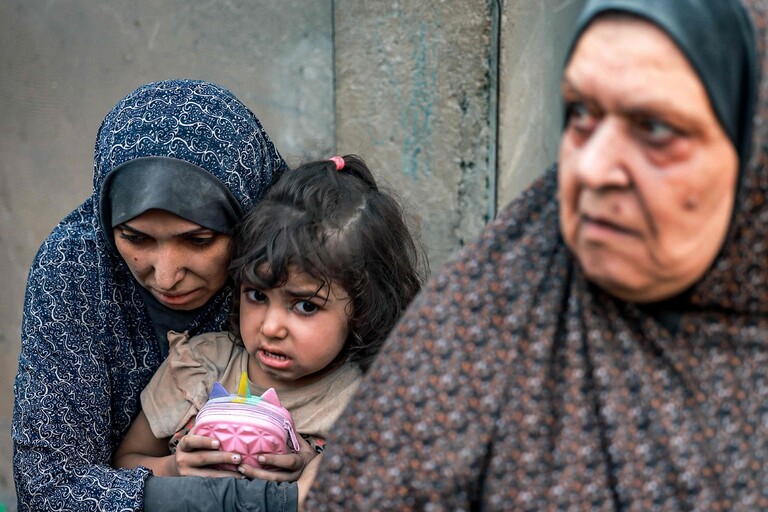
647,176
181,263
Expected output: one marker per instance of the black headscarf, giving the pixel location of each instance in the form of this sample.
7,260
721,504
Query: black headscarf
173,185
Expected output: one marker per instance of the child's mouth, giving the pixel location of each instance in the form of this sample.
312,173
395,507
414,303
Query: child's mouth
273,359
273,355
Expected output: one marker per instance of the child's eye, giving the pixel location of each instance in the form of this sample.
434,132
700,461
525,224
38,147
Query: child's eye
253,295
306,307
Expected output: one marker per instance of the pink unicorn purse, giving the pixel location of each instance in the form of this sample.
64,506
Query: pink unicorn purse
246,424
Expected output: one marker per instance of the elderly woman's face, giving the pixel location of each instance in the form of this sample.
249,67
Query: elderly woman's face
647,176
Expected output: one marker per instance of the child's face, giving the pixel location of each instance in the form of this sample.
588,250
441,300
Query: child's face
293,332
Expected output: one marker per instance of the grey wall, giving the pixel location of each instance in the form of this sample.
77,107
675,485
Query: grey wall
415,98
453,103
533,44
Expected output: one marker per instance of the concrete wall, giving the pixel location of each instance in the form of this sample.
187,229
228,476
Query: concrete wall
453,103
533,44
413,95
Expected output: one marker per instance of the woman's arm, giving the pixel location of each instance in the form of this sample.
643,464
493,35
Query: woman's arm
305,481
63,411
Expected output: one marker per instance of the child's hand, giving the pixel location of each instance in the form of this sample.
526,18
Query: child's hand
197,456
285,468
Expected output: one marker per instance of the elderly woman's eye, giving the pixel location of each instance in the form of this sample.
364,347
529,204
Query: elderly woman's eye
579,117
656,132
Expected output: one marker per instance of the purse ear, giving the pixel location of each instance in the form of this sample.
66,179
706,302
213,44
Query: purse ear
217,391
270,396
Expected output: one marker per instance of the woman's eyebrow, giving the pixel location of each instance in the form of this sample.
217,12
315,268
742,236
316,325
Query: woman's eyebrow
129,228
635,107
568,86
195,231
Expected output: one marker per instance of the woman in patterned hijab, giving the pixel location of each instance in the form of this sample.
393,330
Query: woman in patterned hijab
603,344
177,164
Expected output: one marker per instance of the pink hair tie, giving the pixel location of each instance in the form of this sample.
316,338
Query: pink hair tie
338,161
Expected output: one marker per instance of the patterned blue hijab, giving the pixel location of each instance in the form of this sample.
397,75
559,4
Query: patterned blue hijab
188,147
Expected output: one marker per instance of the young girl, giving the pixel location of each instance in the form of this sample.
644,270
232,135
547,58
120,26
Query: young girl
324,265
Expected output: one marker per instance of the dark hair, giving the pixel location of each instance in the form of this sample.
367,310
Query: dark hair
337,226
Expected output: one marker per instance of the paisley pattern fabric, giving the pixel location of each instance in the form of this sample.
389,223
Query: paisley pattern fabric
512,383
88,346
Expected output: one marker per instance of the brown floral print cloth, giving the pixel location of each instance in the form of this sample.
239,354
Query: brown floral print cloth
512,383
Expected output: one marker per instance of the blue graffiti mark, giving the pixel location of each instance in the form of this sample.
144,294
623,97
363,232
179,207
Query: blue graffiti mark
415,115
420,109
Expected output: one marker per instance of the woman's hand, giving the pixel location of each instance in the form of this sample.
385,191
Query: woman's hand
284,468
197,456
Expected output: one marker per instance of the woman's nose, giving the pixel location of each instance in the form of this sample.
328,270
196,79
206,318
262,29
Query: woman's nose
274,325
170,268
602,160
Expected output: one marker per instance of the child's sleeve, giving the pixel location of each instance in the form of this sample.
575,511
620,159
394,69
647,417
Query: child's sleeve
181,385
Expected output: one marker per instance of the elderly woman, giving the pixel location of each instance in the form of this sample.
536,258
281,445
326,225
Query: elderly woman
177,164
602,345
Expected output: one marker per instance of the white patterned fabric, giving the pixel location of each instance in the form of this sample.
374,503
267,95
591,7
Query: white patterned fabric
88,346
